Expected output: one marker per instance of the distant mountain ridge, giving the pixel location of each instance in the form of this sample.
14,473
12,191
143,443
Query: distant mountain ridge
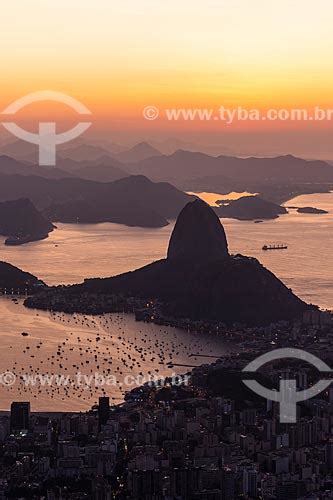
200,172
276,179
188,170
139,152
10,166
102,170
269,169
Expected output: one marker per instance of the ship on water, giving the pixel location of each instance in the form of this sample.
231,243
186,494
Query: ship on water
275,247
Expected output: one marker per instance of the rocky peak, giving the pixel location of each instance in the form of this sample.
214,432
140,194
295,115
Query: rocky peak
198,235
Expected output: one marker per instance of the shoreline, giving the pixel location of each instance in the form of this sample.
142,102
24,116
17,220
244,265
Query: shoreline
14,241
285,198
51,330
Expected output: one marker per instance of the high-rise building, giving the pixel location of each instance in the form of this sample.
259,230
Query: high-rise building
103,410
250,478
19,416
289,491
330,394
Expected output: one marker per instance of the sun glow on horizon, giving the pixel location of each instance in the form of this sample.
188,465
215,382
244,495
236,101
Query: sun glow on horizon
118,57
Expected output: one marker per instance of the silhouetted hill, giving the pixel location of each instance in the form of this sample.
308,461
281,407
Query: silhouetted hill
189,244
250,208
20,150
165,198
181,166
76,150
222,287
235,289
84,152
12,277
10,166
275,179
139,152
92,148
105,171
41,191
92,211
22,222
133,200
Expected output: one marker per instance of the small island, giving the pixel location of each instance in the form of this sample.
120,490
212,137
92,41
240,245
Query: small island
250,208
311,210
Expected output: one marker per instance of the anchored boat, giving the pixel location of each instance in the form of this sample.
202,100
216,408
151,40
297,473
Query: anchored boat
275,247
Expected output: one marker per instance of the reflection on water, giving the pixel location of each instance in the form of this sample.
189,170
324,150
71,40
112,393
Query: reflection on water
212,198
74,252
79,357
62,344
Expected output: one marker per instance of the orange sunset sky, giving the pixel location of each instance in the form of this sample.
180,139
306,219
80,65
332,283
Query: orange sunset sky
119,56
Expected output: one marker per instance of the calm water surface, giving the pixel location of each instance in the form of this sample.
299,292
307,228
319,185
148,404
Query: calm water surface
59,365
62,344
74,252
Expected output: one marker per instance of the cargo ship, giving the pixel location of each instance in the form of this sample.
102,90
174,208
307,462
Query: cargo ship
274,247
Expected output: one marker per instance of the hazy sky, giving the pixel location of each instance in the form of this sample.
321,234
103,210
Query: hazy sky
120,56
